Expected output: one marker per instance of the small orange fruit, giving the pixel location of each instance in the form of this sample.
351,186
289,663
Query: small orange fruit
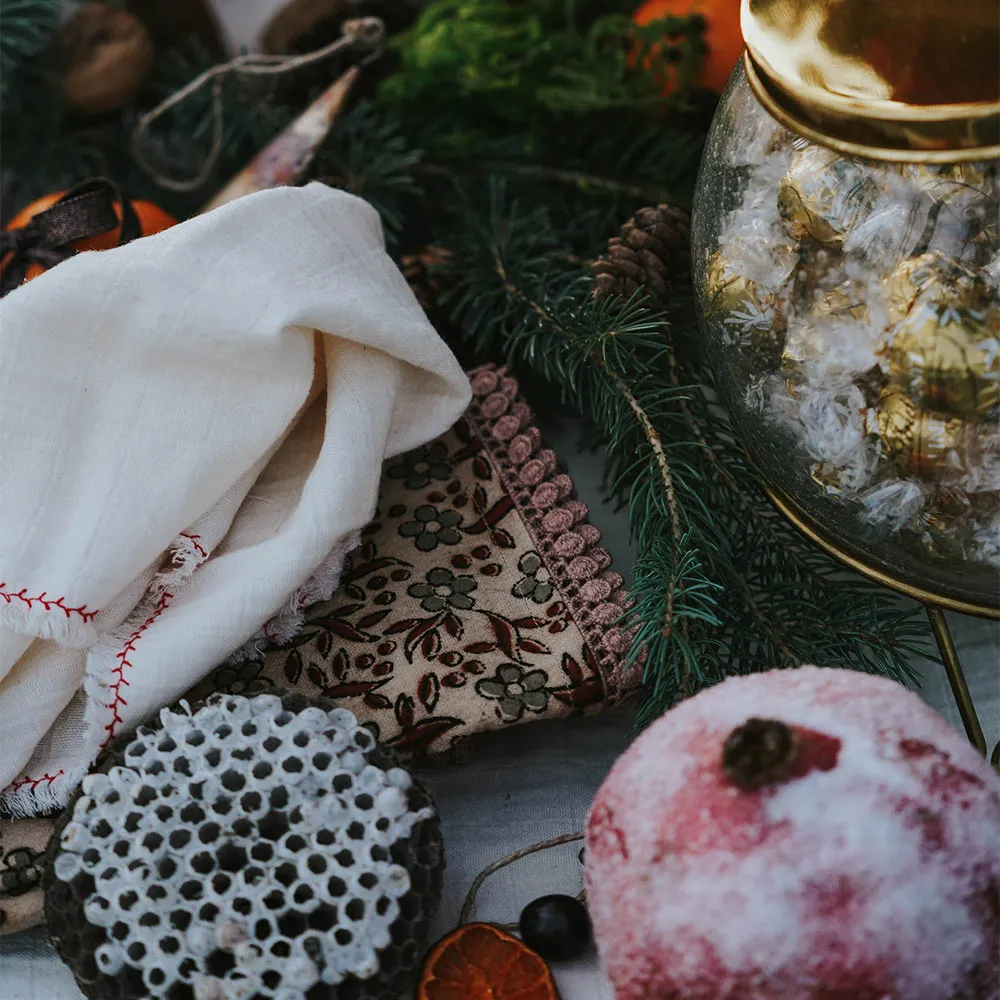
722,33
483,962
152,219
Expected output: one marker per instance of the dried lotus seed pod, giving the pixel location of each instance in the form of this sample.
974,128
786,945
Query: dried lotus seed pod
259,848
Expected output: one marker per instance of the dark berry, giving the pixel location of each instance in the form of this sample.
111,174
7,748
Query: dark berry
557,927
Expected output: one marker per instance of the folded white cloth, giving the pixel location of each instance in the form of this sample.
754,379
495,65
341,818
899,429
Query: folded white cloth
192,429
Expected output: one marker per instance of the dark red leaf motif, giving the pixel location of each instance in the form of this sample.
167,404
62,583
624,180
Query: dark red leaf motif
503,539
370,621
463,431
418,738
529,622
377,701
480,647
403,625
353,591
428,691
324,643
572,670
404,711
430,644
589,693
315,676
340,664
344,629
504,634
351,689
418,632
344,610
456,679
366,569
556,627
532,646
293,666
489,518
302,639
368,550
453,625
481,468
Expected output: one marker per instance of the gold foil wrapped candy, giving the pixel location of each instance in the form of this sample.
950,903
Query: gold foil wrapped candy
754,319
936,275
823,196
811,337
920,442
943,347
947,357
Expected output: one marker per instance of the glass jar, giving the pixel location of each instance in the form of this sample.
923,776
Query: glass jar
846,257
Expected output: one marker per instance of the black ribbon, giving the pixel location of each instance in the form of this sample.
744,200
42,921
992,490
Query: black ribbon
86,211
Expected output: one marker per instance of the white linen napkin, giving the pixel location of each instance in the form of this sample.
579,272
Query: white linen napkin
192,429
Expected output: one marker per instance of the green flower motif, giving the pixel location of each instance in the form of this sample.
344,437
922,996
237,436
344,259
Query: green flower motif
417,468
443,589
516,690
431,526
21,870
241,678
535,583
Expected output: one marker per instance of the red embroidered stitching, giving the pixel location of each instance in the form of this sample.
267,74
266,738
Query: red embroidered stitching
117,701
47,602
34,782
194,540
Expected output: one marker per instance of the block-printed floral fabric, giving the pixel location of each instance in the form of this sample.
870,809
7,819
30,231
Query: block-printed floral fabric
479,598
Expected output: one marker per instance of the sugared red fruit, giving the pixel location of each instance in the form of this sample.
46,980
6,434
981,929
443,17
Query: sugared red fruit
557,927
483,962
798,835
722,35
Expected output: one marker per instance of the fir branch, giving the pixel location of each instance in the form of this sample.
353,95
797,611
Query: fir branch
722,584
26,27
368,155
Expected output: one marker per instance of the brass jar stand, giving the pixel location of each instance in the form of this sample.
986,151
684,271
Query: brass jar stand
935,604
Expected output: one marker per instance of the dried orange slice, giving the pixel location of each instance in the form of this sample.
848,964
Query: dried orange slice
482,962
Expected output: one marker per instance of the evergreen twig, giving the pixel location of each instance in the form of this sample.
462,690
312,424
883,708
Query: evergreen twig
722,584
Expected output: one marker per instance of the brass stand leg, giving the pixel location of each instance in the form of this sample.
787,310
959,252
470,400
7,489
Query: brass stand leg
956,677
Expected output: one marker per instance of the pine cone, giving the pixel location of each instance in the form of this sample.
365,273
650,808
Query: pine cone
419,270
652,251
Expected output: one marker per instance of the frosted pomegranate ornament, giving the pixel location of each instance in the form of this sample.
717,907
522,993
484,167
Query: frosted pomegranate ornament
808,834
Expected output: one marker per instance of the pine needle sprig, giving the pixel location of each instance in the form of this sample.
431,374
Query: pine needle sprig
26,28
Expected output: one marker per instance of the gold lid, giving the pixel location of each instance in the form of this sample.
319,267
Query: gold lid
902,80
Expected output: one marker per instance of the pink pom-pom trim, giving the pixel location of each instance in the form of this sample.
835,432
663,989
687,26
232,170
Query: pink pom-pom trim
557,522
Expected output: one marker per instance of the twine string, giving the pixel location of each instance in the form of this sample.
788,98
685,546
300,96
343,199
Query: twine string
366,34
470,899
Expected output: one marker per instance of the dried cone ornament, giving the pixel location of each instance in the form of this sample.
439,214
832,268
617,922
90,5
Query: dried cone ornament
652,252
